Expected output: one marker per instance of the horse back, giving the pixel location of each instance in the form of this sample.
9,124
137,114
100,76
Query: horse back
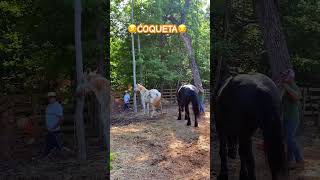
249,97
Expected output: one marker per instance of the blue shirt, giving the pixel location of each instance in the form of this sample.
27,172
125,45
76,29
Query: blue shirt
126,98
53,113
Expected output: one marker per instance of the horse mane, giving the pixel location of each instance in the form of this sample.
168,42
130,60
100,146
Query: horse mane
141,88
97,82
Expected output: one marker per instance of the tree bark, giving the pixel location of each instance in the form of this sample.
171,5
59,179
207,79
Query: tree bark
79,69
193,65
273,36
100,40
100,63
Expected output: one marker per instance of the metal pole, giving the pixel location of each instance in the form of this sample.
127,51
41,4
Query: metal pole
134,64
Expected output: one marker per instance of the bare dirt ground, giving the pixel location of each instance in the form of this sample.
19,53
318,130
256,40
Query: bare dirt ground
309,141
59,166
164,148
159,148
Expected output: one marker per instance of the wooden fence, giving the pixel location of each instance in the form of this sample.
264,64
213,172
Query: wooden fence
169,95
310,107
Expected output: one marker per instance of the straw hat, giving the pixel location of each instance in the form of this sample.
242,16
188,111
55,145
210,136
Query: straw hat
52,94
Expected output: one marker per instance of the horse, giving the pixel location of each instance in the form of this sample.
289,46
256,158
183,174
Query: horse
186,94
244,103
152,97
93,82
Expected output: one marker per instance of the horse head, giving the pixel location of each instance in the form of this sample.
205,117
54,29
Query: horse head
140,88
85,84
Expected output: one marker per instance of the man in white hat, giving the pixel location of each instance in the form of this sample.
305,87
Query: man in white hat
126,100
54,118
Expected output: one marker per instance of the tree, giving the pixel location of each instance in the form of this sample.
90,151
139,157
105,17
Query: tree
188,45
163,58
79,69
273,36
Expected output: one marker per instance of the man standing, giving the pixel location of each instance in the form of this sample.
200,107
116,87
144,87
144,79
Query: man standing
290,99
126,100
201,101
54,118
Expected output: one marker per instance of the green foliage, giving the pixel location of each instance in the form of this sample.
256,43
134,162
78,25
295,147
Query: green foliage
111,158
163,58
37,42
244,48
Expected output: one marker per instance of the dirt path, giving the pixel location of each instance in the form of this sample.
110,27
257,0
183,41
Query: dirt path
309,141
161,148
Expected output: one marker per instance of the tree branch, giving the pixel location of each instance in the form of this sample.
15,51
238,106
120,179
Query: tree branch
172,19
183,15
184,11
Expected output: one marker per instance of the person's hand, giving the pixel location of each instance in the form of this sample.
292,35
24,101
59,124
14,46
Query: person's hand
285,85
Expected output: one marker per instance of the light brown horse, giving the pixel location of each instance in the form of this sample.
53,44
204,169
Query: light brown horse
99,85
152,97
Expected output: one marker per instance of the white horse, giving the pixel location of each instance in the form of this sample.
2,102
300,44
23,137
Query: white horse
152,97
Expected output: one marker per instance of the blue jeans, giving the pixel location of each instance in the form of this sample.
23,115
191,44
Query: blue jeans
126,106
201,105
293,148
53,140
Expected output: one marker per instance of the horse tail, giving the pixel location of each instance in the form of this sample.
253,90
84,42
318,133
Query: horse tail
273,142
195,104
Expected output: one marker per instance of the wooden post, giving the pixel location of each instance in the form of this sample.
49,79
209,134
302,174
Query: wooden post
79,69
133,63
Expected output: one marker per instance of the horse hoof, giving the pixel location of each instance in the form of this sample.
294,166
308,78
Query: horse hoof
188,124
196,125
222,177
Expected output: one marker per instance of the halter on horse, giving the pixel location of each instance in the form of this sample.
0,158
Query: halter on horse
244,103
185,95
152,97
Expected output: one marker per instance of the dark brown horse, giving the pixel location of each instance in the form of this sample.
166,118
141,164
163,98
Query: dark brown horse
244,103
185,95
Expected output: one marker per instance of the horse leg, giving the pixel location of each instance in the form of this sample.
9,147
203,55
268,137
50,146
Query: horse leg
232,147
144,107
148,109
153,110
242,154
195,121
248,158
223,158
179,117
187,115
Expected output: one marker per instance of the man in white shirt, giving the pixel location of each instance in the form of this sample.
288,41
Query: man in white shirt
126,100
54,118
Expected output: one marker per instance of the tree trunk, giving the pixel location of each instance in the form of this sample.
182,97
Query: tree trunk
100,63
140,66
100,39
273,37
193,65
188,44
79,69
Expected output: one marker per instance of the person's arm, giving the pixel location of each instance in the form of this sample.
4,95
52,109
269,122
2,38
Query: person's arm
294,93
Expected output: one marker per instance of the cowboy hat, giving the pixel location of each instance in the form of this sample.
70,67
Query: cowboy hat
52,94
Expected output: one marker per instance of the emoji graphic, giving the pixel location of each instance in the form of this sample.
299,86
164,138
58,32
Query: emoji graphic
132,28
182,28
